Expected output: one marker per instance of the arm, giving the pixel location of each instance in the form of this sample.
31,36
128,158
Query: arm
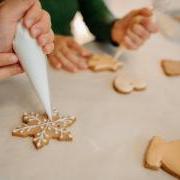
98,18
131,31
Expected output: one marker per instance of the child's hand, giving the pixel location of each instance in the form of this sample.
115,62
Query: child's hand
68,54
134,29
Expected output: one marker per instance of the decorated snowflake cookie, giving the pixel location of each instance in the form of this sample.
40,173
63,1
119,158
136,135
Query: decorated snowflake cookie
42,129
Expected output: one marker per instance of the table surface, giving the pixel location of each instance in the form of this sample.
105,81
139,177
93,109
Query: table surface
112,130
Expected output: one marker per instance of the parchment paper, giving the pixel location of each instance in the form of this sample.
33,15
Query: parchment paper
112,130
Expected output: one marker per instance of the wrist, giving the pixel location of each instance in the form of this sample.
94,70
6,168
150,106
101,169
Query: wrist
116,32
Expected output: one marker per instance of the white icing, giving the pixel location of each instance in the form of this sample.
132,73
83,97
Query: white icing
41,137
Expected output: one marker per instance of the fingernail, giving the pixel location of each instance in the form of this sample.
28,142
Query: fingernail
14,59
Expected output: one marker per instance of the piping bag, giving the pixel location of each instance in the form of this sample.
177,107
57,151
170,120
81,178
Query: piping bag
34,62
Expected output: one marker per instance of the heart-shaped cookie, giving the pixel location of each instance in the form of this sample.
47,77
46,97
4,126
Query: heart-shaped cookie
126,85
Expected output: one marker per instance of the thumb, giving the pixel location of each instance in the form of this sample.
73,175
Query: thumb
14,10
141,12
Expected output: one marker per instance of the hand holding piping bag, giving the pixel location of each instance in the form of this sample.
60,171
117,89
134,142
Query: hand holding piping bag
133,30
36,20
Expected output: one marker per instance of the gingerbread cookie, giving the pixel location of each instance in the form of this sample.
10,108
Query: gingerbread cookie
126,85
177,18
42,129
103,62
165,155
171,68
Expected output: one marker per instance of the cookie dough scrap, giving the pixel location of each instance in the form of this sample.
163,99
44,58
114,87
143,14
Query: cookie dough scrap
171,68
42,129
103,62
165,155
126,85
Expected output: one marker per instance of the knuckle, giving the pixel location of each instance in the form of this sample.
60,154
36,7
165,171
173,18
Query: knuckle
38,4
46,15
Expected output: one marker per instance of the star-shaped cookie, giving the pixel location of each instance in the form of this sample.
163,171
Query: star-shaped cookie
42,129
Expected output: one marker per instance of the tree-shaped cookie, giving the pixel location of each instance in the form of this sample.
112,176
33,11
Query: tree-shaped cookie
165,155
103,62
42,129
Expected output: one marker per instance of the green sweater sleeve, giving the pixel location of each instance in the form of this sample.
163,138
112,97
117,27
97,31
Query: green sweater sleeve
98,18
62,12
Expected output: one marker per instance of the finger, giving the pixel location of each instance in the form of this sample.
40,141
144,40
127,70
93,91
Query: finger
53,60
85,52
33,15
66,64
45,39
143,12
48,49
128,43
82,51
140,31
15,10
134,37
9,71
42,27
80,62
7,59
149,25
